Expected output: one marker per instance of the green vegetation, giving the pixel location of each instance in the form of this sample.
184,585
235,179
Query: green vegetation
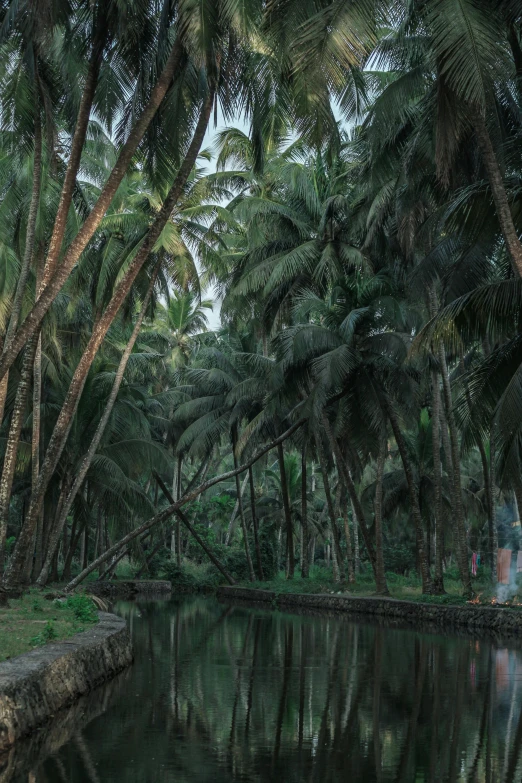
357,409
33,620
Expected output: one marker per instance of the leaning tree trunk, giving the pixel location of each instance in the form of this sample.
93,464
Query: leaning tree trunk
458,511
11,451
305,556
251,573
80,242
195,534
438,581
338,557
498,191
412,491
288,514
100,429
254,524
15,430
178,524
65,418
349,549
166,513
382,587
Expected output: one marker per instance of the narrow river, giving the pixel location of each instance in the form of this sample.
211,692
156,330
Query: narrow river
234,694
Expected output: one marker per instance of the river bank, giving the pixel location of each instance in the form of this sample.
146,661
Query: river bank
36,685
472,617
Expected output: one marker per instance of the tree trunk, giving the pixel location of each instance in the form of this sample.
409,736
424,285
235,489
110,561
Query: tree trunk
100,429
251,573
80,242
380,575
64,422
498,191
77,143
358,511
13,440
438,581
166,513
338,558
305,555
254,524
412,491
458,511
195,534
32,215
349,550
231,525
22,393
178,525
288,514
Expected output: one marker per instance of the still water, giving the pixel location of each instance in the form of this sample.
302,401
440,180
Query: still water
234,694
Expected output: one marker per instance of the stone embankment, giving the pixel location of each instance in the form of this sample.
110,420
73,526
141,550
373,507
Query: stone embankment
36,685
129,588
507,622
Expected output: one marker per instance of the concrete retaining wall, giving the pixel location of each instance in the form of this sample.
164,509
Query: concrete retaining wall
34,686
507,622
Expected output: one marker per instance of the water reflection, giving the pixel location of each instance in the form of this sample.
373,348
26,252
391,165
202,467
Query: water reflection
231,694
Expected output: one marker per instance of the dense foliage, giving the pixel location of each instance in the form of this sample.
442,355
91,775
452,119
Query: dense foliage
359,407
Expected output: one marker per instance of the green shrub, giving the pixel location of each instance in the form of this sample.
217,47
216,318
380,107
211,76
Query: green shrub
46,635
83,608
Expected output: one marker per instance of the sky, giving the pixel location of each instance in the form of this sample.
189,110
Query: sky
208,143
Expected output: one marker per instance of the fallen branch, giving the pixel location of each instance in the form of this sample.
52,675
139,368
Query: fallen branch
194,532
162,516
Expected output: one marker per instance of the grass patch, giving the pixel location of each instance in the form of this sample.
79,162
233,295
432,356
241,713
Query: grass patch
406,588
31,621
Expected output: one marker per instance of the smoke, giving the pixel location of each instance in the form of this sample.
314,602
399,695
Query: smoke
507,592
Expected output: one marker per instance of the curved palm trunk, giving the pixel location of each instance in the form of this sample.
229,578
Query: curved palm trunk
251,573
254,524
338,558
382,587
412,491
305,561
288,514
95,442
498,191
462,547
33,320
438,581
100,329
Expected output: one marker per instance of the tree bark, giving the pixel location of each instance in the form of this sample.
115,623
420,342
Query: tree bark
288,514
498,191
349,550
100,429
305,555
13,440
438,581
338,558
251,573
382,587
178,526
412,491
254,524
462,548
33,320
65,418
